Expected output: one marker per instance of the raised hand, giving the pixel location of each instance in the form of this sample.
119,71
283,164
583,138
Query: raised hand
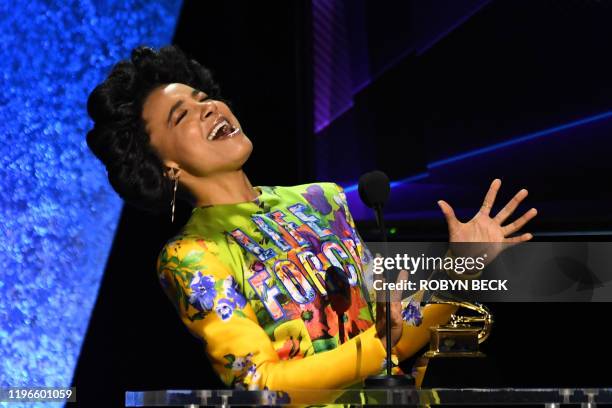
486,229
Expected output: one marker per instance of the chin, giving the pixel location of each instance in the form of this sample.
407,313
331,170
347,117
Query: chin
240,153
246,149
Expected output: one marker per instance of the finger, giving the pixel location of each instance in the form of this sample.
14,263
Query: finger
490,197
396,313
396,295
519,223
518,239
448,212
510,207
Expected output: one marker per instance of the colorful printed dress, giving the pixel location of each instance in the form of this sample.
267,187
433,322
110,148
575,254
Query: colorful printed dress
249,280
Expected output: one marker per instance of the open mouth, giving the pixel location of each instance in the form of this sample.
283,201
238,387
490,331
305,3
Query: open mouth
223,130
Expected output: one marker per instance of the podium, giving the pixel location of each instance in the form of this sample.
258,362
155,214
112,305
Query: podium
485,397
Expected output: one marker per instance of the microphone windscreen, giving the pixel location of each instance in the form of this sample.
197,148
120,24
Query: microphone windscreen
374,188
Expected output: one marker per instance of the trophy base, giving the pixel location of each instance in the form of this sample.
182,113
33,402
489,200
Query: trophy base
388,381
458,371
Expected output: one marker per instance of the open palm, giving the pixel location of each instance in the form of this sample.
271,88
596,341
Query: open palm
483,228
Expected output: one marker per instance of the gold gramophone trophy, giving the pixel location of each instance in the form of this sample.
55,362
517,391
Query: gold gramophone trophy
462,335
457,341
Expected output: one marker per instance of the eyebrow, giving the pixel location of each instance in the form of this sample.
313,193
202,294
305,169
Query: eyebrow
178,104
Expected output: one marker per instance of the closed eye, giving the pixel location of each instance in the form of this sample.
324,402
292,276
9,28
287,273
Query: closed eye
183,114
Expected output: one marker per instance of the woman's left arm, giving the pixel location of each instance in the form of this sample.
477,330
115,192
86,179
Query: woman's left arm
415,337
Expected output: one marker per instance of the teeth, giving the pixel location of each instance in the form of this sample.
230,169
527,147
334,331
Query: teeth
212,134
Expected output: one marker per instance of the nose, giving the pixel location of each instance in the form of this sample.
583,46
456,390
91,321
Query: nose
208,109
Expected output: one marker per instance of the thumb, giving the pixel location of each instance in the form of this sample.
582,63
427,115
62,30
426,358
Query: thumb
448,212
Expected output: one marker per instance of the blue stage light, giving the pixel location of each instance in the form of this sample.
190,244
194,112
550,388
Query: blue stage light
520,139
496,146
59,213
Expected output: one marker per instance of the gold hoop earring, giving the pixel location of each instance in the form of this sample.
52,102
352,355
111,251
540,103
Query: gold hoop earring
174,176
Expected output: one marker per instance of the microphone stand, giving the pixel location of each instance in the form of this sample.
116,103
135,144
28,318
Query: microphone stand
389,380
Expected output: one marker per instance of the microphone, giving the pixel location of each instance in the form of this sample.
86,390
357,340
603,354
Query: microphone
374,189
339,295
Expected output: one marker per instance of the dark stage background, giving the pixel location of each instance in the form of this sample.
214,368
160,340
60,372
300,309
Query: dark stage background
329,90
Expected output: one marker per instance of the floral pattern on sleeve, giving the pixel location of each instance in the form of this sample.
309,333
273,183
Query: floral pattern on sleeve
412,313
203,292
198,293
242,372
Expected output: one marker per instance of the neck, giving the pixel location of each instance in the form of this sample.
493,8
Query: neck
225,188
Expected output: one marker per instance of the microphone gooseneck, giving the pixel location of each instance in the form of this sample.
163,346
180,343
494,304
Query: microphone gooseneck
374,189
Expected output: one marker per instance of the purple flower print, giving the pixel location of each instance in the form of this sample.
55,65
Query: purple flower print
232,292
313,241
412,313
203,292
339,226
239,364
315,197
252,377
224,308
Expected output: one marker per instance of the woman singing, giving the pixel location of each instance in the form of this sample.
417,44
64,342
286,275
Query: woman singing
247,272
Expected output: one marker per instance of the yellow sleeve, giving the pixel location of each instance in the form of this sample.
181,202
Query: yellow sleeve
214,310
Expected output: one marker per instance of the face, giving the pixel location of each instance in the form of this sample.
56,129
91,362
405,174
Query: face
193,132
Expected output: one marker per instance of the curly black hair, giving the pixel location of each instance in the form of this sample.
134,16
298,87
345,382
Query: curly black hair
119,138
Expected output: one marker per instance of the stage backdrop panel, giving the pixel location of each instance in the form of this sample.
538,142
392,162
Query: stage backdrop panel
59,213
